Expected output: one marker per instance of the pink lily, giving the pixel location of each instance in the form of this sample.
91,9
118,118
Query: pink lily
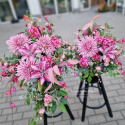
64,86
29,51
53,71
108,54
41,71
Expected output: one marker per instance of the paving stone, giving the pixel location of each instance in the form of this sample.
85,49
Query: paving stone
116,116
123,112
96,119
110,123
71,100
67,122
111,100
6,123
16,116
21,122
55,119
89,112
121,92
23,108
8,111
66,116
112,93
79,122
121,122
120,98
28,114
3,118
5,105
113,87
117,81
3,100
118,106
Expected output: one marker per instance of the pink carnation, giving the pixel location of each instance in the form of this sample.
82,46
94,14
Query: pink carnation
44,44
17,42
84,62
47,99
105,41
96,57
34,32
24,69
56,42
87,47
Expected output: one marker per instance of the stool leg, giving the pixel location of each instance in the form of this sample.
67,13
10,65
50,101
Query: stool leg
69,112
80,86
45,118
85,100
105,97
99,88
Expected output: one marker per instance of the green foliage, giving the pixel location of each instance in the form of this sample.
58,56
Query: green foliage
54,106
63,101
62,108
28,100
89,79
63,93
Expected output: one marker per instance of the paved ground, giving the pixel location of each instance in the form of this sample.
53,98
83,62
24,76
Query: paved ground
66,25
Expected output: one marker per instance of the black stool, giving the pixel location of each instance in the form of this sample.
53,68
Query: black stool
102,91
68,111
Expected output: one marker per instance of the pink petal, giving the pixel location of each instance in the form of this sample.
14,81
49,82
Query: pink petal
57,82
42,80
51,75
95,27
35,67
87,26
48,88
95,17
36,75
118,52
123,73
71,61
62,63
56,70
24,51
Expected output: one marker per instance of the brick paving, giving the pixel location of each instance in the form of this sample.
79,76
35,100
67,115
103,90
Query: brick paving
66,25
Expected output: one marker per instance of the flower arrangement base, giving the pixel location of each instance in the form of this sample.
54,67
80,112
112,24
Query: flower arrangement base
68,111
102,91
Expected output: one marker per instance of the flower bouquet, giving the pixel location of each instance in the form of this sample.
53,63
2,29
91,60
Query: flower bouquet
35,65
97,52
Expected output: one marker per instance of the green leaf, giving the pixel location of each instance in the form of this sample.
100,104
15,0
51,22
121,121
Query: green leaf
28,101
101,33
86,75
31,122
63,93
89,79
94,24
57,62
21,84
34,123
92,74
62,108
53,109
63,101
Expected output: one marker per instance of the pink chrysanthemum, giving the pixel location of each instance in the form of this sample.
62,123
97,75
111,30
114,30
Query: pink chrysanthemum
34,32
87,47
17,42
84,62
24,70
44,44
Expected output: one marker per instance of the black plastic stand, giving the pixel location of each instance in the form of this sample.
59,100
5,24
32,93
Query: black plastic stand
68,111
102,91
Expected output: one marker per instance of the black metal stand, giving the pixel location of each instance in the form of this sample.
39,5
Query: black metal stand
102,91
68,110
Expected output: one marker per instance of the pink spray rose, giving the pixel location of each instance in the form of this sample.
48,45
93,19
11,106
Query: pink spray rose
11,69
46,18
69,48
47,24
75,74
73,47
47,99
41,111
4,66
98,68
63,56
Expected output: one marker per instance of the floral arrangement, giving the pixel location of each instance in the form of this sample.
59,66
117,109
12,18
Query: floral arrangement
35,65
97,52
